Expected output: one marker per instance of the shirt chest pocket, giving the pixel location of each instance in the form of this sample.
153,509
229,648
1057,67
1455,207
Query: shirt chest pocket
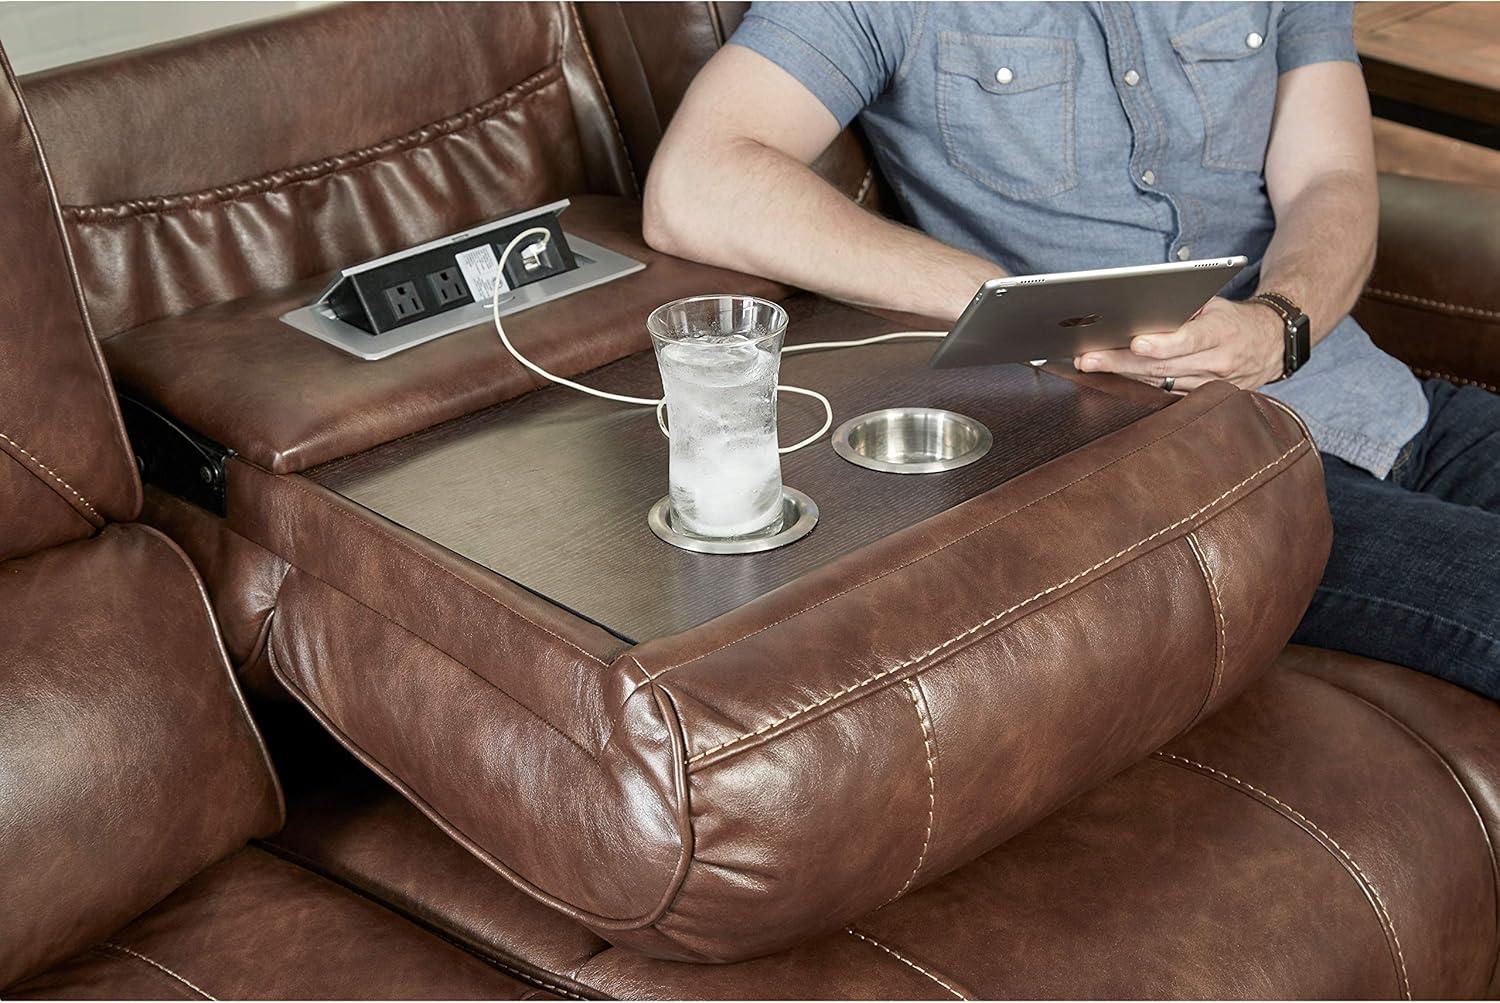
1006,111
1231,63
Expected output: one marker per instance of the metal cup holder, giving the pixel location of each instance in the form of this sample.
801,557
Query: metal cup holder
912,440
799,516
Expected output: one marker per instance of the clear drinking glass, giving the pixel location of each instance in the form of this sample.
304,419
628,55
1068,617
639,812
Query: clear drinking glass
719,357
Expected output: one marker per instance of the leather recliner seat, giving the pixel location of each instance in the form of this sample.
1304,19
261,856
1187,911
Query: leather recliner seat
131,776
1326,832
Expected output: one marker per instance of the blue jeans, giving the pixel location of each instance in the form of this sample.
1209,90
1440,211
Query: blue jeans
1414,577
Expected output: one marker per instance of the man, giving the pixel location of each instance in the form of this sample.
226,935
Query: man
1024,138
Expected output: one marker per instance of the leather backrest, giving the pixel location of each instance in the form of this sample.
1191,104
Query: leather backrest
128,762
216,167
648,54
65,467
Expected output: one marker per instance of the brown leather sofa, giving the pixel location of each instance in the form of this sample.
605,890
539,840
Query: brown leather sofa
131,776
1100,775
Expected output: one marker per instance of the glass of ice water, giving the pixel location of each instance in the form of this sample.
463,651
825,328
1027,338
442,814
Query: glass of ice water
719,358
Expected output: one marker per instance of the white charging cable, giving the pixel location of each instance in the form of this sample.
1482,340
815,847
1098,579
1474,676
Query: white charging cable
660,403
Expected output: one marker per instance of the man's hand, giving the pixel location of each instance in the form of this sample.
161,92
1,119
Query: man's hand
1239,342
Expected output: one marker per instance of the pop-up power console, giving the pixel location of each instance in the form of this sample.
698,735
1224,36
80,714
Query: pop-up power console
402,300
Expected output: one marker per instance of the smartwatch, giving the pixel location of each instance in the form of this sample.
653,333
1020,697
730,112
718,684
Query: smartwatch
1296,331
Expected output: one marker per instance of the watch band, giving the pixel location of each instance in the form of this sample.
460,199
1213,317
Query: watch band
1281,304
1296,330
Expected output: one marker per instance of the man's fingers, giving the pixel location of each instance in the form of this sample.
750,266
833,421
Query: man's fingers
1127,363
1193,337
1180,384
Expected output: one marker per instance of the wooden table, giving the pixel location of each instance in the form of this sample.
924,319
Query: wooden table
1435,66
551,489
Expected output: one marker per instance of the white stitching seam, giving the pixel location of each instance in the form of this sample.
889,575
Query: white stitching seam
1221,644
864,187
328,167
905,961
157,965
982,527
1380,910
1460,380
922,720
54,475
891,670
1473,311
528,977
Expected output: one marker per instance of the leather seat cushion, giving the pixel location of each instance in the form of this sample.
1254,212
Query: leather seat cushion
128,763
1304,842
258,927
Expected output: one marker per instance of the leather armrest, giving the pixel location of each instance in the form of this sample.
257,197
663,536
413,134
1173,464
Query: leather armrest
285,401
1433,299
777,772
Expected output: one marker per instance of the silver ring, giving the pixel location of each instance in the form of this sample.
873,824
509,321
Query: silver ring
1167,382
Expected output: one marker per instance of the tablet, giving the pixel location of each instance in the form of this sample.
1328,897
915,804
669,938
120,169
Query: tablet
1065,314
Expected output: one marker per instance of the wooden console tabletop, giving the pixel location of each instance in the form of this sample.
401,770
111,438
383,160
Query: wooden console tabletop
1434,65
551,490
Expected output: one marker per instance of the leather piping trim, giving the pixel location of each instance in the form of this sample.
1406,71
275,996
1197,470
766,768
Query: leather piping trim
716,21
67,492
1291,413
90,337
869,683
1460,380
1330,844
234,683
581,37
1452,772
540,719
939,549
957,994
447,936
277,180
263,633
1220,644
138,956
491,861
1440,305
924,721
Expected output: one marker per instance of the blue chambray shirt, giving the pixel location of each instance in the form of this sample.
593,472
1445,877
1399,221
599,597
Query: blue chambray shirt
1052,137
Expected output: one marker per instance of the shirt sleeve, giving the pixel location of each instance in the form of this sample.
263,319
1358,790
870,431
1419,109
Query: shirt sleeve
1314,33
846,54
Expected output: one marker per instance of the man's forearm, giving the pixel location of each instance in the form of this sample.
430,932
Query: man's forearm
751,208
1324,247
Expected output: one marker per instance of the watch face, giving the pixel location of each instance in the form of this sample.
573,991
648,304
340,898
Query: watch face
1299,342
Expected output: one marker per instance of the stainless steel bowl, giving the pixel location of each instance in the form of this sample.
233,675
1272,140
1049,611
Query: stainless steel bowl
912,440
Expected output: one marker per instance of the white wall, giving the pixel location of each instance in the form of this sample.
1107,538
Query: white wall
38,34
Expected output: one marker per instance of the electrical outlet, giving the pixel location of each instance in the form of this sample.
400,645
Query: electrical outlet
448,286
404,301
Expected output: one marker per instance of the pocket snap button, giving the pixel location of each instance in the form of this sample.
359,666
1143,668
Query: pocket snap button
1148,177
1132,78
1254,40
1184,252
1004,75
